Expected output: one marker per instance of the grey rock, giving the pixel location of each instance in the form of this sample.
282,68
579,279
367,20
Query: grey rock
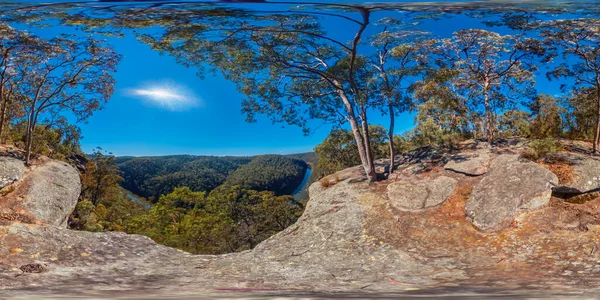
586,171
420,195
11,169
512,184
326,248
473,164
52,192
439,190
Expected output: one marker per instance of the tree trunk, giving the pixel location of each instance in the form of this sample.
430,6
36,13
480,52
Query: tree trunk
391,137
30,131
2,118
367,142
597,129
28,144
488,115
360,144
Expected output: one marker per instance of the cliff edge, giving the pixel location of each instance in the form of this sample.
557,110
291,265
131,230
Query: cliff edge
479,218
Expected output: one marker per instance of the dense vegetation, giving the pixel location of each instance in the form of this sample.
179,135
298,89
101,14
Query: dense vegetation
152,177
339,151
103,205
276,173
43,80
227,219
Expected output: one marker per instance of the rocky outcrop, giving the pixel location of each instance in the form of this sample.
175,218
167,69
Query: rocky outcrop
11,170
51,193
512,184
46,193
326,250
472,164
350,241
586,172
424,194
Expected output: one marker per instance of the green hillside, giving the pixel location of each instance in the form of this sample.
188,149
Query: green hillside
276,173
153,176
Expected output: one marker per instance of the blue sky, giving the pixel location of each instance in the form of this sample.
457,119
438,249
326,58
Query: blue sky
160,107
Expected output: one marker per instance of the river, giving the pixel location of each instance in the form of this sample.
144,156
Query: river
301,192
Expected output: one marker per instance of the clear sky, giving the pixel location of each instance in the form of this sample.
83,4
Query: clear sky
160,107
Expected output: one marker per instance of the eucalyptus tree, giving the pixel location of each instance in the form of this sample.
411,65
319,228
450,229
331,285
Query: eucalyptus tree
494,70
578,42
65,74
285,65
13,56
401,54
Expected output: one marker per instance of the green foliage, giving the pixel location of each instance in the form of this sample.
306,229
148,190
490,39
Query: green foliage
338,151
155,176
493,71
103,205
229,219
101,177
309,157
276,173
547,117
581,116
442,116
542,148
438,124
515,123
429,132
57,139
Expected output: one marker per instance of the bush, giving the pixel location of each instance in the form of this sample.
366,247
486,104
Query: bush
541,148
325,182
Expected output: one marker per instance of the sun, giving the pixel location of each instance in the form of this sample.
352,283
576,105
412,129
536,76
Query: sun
159,94
166,94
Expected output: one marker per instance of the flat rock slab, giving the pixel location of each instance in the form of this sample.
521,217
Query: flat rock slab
512,184
11,170
52,192
586,172
473,164
424,194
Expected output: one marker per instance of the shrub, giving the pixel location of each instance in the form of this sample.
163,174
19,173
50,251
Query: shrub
325,182
541,148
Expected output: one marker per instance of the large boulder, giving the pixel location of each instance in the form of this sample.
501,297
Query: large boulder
586,172
409,196
51,192
11,170
472,164
512,184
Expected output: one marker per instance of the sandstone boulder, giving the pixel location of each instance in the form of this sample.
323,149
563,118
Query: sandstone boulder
52,192
11,169
512,184
586,172
424,194
472,164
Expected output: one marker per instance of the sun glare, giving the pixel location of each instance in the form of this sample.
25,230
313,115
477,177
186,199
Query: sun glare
160,93
167,95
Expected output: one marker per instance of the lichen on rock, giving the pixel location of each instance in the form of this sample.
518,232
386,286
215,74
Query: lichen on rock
512,184
472,164
422,194
11,170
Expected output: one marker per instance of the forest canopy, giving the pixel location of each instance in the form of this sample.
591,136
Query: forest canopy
156,176
276,173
